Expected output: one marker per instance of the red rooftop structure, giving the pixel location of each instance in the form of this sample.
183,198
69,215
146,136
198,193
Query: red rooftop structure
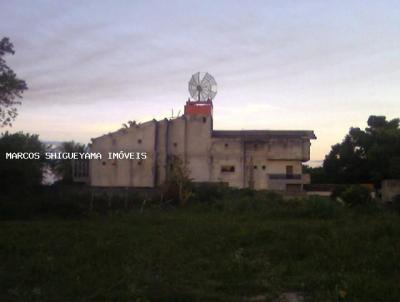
199,107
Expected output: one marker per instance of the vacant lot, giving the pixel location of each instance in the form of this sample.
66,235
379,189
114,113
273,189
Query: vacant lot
205,252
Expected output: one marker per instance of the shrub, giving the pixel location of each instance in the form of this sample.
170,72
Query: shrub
356,195
178,186
320,207
314,207
338,190
19,174
41,205
270,197
209,192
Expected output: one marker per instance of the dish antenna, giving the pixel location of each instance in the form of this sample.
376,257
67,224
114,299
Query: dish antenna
202,87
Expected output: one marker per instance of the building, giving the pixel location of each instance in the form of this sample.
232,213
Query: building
259,159
390,189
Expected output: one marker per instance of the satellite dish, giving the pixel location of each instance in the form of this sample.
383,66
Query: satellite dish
202,86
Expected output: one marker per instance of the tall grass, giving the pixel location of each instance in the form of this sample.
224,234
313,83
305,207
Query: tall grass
235,246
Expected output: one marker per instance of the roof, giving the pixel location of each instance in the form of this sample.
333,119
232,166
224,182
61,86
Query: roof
264,134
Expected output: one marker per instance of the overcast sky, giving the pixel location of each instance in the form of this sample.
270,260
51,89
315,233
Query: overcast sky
92,65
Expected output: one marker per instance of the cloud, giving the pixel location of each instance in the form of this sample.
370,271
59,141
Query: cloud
278,65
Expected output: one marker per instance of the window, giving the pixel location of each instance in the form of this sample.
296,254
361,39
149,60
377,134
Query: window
226,145
228,169
139,141
175,145
204,119
263,167
289,171
255,167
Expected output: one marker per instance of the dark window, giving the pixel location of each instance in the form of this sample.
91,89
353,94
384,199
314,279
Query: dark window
139,162
103,163
289,170
255,167
175,145
139,141
204,119
226,145
255,146
263,167
227,168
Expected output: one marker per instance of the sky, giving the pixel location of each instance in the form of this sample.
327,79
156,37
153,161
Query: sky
301,65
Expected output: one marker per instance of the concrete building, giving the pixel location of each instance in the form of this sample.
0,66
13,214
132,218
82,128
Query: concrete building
390,189
260,159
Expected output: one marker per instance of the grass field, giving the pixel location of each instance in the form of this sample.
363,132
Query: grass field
239,251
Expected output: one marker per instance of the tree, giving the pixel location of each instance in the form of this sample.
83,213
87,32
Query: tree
369,155
356,195
11,88
317,174
178,186
20,173
63,167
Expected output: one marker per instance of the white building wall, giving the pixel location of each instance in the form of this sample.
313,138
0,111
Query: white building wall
227,152
198,144
124,172
190,138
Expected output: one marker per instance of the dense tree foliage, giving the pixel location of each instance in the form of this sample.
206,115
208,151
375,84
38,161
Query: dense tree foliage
20,173
11,88
356,195
368,155
317,174
63,167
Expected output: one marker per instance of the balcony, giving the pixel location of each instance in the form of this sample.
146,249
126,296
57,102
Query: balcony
284,176
281,181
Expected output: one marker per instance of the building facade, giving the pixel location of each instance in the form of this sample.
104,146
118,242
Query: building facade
259,159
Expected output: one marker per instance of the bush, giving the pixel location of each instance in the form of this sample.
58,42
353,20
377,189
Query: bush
178,187
69,202
244,200
20,174
356,195
338,191
317,207
43,207
271,204
209,192
314,207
